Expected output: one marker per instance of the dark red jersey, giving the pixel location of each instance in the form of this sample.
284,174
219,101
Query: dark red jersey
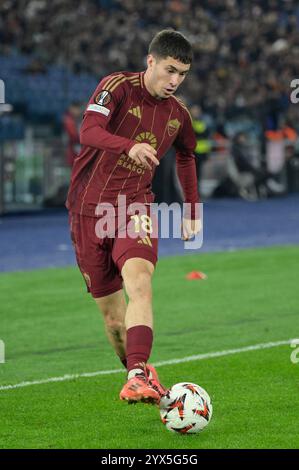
121,113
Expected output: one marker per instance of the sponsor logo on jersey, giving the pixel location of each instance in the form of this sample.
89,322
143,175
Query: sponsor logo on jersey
127,162
172,126
103,98
147,137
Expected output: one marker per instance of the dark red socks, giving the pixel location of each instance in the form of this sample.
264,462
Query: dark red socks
139,346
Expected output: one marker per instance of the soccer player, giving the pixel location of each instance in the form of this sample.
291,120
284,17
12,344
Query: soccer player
130,122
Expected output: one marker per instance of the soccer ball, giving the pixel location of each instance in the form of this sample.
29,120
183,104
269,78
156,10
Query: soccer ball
186,408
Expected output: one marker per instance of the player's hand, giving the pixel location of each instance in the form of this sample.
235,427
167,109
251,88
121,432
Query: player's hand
190,228
143,153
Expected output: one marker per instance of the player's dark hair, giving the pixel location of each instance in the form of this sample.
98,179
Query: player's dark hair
170,43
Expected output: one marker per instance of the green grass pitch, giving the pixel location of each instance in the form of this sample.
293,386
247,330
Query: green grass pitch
51,328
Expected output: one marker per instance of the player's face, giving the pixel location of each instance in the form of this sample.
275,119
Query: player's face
165,76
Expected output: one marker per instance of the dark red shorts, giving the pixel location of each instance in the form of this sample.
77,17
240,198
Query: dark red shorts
101,258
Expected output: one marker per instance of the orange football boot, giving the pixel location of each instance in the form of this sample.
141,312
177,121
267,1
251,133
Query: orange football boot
138,389
153,380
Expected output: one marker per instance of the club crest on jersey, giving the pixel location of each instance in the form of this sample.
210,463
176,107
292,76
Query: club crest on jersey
173,126
103,98
147,137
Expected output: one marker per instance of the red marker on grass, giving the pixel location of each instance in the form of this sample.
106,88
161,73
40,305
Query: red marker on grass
196,275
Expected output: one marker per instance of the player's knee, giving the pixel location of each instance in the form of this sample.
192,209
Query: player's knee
111,309
114,324
139,286
112,319
111,315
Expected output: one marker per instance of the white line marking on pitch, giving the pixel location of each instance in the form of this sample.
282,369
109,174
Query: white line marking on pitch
198,357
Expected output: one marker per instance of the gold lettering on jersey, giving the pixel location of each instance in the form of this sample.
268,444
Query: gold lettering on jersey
172,126
136,112
147,137
126,162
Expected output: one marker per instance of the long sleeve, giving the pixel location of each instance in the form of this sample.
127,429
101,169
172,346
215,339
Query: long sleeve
93,134
106,99
186,167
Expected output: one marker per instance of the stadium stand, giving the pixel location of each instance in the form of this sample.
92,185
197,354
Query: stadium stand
245,52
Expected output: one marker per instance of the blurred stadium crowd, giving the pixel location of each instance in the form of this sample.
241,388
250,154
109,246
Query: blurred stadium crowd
53,54
246,52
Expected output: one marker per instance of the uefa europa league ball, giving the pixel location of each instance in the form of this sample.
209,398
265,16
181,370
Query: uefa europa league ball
186,408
